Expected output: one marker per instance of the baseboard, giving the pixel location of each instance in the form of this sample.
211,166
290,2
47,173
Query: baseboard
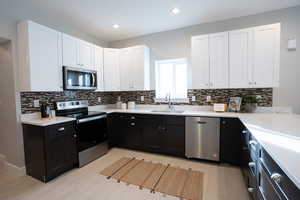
11,169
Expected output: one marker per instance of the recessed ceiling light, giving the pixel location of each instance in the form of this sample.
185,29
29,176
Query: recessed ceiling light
175,11
116,26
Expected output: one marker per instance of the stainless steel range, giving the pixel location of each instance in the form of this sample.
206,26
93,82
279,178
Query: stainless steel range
91,129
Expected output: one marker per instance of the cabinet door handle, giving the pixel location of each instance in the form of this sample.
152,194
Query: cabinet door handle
132,124
252,142
276,177
250,190
201,122
61,129
244,131
75,136
251,164
132,117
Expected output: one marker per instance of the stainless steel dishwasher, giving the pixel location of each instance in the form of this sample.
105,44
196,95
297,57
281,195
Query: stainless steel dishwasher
202,138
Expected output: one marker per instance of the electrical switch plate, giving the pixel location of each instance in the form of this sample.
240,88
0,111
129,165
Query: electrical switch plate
36,103
142,98
208,98
99,99
193,98
292,44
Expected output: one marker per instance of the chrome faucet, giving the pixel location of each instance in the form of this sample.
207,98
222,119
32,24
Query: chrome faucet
170,105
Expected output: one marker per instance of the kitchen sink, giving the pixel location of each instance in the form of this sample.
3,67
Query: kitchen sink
168,111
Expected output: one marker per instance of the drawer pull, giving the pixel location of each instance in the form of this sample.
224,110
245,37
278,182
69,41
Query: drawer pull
132,124
252,142
132,117
277,178
250,190
61,129
251,164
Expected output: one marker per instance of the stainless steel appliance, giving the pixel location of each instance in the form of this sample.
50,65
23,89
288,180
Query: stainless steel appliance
79,79
202,138
91,129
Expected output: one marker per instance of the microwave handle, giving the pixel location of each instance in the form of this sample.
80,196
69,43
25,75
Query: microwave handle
94,77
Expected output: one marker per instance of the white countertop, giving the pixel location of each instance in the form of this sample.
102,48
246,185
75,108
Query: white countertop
278,133
35,119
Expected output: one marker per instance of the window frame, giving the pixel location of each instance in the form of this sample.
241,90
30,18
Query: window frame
157,77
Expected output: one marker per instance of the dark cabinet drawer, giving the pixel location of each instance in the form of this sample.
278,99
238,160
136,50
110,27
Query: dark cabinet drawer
265,187
285,187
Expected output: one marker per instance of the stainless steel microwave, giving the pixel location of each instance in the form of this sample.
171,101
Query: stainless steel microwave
79,79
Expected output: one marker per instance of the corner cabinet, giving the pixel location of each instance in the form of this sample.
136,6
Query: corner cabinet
246,58
49,151
134,68
111,69
40,57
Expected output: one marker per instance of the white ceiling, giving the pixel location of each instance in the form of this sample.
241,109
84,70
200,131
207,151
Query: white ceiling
140,17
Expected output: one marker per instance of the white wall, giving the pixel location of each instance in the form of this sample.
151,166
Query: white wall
176,44
11,138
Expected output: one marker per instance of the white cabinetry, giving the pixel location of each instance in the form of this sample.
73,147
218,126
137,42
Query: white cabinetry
247,58
218,54
240,58
99,68
200,62
40,57
111,69
134,68
210,61
266,57
78,53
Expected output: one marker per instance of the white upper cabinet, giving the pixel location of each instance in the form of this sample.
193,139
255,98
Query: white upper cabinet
247,58
240,58
99,67
78,53
266,59
111,69
69,51
40,57
141,67
86,54
135,69
200,62
126,69
218,58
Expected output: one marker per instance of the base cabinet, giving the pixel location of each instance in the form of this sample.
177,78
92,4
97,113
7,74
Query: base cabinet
49,151
151,133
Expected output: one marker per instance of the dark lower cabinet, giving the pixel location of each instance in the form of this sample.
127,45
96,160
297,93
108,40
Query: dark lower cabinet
231,141
151,133
50,150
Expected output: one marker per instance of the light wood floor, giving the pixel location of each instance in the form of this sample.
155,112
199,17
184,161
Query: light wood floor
220,182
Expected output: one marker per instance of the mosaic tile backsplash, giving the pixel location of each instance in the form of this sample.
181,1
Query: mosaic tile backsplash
217,96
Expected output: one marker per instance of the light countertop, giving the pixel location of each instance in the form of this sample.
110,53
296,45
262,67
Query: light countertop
35,119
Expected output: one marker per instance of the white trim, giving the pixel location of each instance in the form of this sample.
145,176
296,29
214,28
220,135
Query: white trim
10,168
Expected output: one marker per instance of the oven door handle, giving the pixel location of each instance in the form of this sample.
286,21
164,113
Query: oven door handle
91,119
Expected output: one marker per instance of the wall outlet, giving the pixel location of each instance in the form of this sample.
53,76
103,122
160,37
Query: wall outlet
36,103
142,98
208,98
193,98
99,99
